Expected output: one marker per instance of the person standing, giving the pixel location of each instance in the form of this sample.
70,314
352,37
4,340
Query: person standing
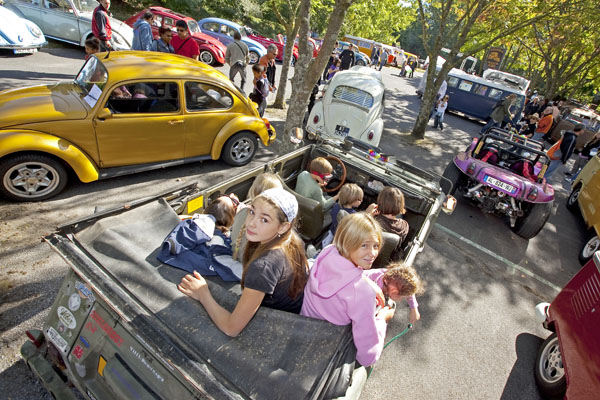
563,149
544,125
183,43
347,58
163,43
413,66
384,58
375,56
142,32
268,61
332,58
101,24
237,56
500,112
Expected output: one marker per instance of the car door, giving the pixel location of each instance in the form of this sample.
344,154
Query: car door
146,124
30,10
208,108
60,20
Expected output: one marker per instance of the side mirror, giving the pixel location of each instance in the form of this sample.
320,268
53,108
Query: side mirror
104,113
449,204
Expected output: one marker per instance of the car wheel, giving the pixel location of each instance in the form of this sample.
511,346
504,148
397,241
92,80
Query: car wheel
31,177
254,57
590,247
360,62
572,200
533,221
240,149
454,175
206,57
549,370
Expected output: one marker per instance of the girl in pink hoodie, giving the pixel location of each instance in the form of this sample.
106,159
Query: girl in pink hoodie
340,290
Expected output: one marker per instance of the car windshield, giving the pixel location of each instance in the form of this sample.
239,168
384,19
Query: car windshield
85,5
193,26
93,73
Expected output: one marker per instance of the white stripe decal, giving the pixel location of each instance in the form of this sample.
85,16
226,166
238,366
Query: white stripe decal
500,258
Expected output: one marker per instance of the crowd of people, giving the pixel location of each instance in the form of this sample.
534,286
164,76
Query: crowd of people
268,257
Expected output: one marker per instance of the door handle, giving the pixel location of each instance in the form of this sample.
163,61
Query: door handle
175,122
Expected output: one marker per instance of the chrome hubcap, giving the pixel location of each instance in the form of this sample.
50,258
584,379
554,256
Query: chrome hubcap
253,58
573,197
242,149
592,246
551,365
206,57
31,179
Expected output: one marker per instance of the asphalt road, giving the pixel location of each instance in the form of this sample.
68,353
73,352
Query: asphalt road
477,338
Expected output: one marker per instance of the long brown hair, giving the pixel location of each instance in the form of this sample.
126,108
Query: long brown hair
292,246
223,212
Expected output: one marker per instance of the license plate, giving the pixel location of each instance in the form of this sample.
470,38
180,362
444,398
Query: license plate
500,185
342,130
25,51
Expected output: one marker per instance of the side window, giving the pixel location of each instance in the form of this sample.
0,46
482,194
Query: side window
228,30
466,86
145,98
58,5
168,22
452,81
495,94
201,96
211,26
157,21
480,89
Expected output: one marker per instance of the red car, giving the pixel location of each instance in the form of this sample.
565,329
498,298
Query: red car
265,41
568,362
211,50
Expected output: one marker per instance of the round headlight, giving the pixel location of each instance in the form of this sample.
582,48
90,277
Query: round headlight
35,31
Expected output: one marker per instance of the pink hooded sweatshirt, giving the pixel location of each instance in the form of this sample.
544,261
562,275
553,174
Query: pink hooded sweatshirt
337,292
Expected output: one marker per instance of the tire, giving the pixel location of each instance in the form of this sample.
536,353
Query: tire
240,149
254,57
572,204
549,371
361,63
590,247
207,57
533,221
31,177
454,175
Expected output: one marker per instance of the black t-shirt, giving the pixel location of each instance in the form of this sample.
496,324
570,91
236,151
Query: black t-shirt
272,274
347,59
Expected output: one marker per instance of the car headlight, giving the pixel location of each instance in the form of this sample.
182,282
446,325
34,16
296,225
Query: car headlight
35,31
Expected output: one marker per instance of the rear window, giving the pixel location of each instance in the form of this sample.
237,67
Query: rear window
353,95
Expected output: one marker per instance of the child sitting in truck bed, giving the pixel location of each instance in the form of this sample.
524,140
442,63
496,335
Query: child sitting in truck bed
310,184
390,204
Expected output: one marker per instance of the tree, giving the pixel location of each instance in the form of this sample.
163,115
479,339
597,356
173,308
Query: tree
379,20
470,26
307,71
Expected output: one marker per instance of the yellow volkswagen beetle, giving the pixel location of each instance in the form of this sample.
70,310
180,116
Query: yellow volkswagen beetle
125,112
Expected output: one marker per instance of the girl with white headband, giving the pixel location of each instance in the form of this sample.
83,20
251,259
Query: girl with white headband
275,265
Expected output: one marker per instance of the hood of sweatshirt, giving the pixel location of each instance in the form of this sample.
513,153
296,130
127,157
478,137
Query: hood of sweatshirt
332,272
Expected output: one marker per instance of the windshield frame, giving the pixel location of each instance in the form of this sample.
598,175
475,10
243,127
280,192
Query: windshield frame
78,5
84,76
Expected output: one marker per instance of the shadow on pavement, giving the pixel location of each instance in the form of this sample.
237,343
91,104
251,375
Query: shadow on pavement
521,381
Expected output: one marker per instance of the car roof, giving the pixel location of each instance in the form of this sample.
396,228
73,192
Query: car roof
122,65
220,21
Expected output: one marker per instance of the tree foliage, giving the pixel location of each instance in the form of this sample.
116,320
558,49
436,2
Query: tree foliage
379,20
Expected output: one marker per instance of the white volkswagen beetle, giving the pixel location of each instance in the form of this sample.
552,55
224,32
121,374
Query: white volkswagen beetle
18,34
352,105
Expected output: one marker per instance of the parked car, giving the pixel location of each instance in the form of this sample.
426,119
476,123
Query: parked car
125,112
585,198
359,58
212,51
576,115
223,30
19,34
352,105
69,20
503,174
265,41
119,328
568,362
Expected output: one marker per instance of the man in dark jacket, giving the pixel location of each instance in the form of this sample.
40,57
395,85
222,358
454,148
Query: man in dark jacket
567,145
101,24
347,58
500,112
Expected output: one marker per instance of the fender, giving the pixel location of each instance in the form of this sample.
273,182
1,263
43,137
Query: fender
85,37
377,128
23,140
241,123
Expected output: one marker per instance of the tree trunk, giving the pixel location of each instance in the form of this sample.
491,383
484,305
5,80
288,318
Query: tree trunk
291,32
308,72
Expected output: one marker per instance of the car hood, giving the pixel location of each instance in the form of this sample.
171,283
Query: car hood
18,31
253,43
56,102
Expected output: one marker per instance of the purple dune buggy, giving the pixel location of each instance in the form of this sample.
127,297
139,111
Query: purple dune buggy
503,173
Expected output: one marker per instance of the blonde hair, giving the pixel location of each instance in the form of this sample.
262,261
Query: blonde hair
406,279
390,201
261,183
321,165
289,242
349,193
354,230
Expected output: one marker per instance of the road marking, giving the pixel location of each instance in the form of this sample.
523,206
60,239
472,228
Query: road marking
500,258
